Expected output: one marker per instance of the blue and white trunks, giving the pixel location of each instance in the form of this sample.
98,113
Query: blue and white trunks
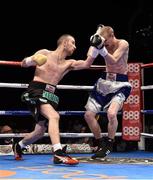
108,88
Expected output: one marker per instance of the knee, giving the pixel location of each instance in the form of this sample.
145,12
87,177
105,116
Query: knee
54,116
111,115
57,116
88,116
40,132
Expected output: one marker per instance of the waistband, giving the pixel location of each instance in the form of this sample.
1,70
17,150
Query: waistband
114,77
40,85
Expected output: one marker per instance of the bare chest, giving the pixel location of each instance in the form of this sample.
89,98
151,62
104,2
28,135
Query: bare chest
112,49
118,67
56,68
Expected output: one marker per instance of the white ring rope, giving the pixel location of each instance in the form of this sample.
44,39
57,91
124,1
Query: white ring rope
13,85
146,134
148,87
67,135
72,87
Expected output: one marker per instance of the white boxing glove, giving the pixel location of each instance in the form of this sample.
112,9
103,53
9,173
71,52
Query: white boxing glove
93,52
103,52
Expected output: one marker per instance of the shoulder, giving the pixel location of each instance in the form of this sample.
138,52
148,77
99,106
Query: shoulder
124,43
70,63
43,51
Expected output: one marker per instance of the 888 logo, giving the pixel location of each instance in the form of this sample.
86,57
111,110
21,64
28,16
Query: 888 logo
131,131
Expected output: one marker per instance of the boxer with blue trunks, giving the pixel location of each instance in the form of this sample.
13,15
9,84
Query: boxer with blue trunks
111,90
109,87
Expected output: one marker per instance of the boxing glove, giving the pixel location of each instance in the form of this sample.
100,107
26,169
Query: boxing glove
39,59
103,52
97,41
36,59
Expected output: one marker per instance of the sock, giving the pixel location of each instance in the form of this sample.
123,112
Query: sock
57,146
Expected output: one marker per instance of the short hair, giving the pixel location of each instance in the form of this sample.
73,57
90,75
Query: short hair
107,30
62,38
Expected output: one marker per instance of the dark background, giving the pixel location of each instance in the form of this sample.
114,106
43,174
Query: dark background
27,27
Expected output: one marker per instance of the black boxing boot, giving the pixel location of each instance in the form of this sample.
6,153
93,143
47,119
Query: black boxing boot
97,144
105,149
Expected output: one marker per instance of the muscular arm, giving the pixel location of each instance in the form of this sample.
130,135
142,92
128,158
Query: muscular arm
82,64
85,64
115,57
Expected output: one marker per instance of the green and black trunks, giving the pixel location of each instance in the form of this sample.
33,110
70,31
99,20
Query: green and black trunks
39,93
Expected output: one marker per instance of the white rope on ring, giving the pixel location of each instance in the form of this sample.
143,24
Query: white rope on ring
148,87
146,134
67,135
64,135
71,87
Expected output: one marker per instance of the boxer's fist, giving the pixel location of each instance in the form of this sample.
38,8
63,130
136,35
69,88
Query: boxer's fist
97,41
36,59
39,59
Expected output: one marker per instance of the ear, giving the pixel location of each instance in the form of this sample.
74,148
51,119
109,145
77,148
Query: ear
65,42
112,35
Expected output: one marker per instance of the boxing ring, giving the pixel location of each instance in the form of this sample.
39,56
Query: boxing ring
37,163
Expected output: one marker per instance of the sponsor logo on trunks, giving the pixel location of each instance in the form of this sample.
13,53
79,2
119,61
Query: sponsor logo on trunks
50,88
43,100
50,96
111,76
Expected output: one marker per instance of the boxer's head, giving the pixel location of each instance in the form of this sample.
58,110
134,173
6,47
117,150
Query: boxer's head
107,33
68,43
